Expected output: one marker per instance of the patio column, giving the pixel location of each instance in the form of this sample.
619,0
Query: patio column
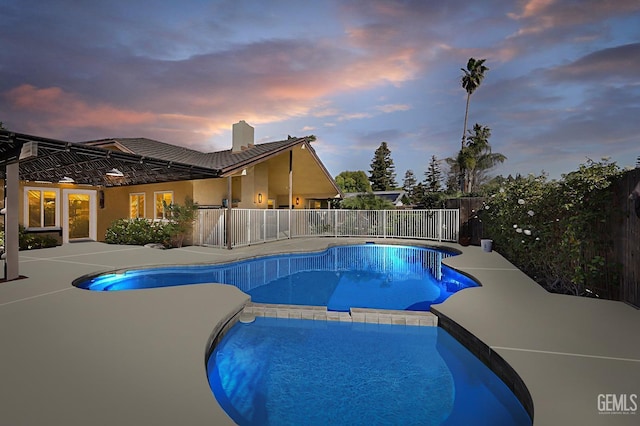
290,179
12,200
290,188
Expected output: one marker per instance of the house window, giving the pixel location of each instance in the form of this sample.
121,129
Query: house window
162,198
136,206
41,208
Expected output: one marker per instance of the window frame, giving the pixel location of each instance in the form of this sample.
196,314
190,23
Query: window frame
155,201
144,200
56,210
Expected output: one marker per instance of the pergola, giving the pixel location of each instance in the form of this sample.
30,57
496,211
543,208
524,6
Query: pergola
31,158
50,160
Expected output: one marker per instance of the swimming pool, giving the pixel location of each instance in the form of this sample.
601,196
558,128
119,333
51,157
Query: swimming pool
341,277
290,371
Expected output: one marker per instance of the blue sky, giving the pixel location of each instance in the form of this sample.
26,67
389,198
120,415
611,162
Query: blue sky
563,84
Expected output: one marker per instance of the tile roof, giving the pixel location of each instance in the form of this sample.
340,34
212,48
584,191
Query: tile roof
220,160
141,160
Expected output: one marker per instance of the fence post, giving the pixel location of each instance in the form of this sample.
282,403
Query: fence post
248,227
440,218
200,228
335,223
384,224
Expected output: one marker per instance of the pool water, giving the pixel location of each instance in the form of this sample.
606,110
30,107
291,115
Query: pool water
303,372
364,276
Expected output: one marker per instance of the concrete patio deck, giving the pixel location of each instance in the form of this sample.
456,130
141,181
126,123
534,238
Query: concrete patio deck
76,357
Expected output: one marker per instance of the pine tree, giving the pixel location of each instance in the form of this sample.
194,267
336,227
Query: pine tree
408,186
382,174
409,181
433,176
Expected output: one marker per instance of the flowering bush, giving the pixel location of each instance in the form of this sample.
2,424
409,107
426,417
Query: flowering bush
558,231
139,232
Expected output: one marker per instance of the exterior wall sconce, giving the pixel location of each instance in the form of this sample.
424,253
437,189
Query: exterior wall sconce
115,173
297,201
259,198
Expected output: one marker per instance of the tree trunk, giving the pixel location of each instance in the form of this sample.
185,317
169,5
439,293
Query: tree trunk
464,172
466,115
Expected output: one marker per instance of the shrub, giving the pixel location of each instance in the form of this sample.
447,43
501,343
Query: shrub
181,219
558,231
138,232
28,241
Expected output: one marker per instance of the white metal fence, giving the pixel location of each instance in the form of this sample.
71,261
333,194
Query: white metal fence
249,226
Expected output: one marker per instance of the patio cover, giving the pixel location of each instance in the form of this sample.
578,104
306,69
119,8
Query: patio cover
32,158
50,160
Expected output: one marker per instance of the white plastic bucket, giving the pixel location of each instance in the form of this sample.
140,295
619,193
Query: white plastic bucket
486,245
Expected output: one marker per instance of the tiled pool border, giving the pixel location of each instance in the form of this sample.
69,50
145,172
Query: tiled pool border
320,313
490,358
316,313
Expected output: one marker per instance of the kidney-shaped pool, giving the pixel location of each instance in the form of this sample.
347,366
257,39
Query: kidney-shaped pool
360,276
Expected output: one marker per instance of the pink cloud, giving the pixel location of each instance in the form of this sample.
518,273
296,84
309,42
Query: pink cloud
65,109
540,15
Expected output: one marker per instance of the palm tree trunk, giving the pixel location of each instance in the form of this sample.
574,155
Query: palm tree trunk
463,172
466,115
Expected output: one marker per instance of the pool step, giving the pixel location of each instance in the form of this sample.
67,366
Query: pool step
320,313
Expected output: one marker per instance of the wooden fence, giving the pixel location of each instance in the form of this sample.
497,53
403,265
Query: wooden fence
626,234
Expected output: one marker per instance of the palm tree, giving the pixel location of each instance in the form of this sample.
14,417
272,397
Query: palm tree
471,80
476,157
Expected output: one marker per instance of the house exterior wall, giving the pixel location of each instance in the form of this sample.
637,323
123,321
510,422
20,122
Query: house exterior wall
309,180
261,185
255,182
116,201
209,192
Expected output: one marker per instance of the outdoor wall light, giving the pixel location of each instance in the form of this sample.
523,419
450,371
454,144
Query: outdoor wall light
259,198
297,201
66,179
115,173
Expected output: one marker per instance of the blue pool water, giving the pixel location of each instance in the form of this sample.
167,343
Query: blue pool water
341,277
303,372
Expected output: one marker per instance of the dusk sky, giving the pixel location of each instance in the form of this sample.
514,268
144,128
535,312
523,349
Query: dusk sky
563,84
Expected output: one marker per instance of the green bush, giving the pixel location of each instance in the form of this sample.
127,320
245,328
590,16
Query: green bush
28,241
139,232
558,232
181,219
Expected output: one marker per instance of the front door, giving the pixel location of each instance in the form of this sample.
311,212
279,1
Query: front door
79,216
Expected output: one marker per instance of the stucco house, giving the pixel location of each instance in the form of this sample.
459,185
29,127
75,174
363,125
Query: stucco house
76,190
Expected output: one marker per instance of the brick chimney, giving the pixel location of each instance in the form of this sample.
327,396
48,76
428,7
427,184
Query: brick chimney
243,136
